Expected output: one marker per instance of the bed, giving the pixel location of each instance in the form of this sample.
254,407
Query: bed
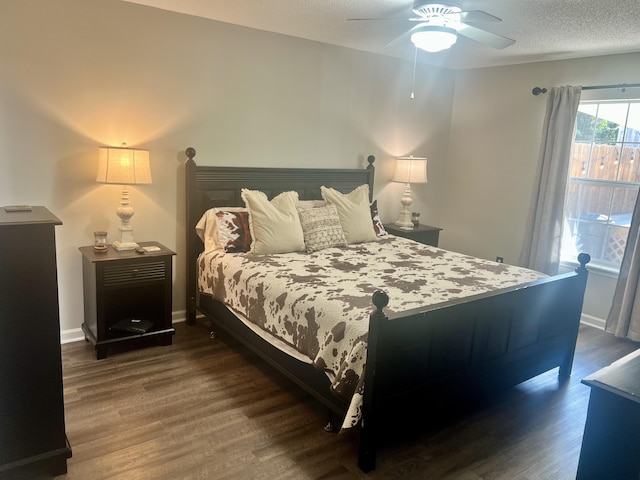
476,343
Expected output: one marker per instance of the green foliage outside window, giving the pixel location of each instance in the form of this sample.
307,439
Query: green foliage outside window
590,129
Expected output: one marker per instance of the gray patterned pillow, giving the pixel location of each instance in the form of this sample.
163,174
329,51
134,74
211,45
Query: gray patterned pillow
321,228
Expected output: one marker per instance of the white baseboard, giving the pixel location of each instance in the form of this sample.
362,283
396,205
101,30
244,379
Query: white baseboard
77,335
595,322
71,335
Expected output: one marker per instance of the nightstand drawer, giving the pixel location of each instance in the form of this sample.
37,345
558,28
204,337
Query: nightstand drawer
115,275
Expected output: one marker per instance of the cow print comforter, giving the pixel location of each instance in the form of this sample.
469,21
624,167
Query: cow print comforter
319,303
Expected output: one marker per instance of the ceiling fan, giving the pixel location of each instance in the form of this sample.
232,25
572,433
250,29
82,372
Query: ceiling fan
439,25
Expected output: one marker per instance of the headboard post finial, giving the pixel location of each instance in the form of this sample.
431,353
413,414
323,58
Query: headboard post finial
191,153
380,300
370,159
583,258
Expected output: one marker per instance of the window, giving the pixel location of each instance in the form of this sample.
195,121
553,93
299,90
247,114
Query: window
604,177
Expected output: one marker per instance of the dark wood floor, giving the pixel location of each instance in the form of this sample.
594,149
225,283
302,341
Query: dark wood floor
207,409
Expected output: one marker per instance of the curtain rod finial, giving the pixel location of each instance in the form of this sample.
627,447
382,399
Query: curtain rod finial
538,90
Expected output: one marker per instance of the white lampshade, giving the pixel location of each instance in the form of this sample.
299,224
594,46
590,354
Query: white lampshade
125,166
434,38
410,170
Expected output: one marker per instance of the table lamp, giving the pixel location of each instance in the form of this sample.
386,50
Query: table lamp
408,170
124,166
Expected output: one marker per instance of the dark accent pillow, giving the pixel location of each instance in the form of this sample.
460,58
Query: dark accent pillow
377,224
233,230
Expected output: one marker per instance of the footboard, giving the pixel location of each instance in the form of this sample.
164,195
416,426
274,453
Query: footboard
478,343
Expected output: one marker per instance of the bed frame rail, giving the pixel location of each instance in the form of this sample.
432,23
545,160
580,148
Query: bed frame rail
469,347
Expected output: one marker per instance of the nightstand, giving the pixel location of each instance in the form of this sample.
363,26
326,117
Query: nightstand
422,233
125,286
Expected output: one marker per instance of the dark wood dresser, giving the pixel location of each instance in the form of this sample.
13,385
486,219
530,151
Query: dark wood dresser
32,429
611,441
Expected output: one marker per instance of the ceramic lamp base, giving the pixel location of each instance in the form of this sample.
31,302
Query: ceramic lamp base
404,220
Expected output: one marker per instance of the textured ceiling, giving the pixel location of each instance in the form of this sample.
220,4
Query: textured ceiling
543,29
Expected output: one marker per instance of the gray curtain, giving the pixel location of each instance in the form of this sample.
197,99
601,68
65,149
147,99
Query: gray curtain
541,248
624,316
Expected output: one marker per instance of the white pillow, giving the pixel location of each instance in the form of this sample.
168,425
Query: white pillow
274,225
207,230
354,212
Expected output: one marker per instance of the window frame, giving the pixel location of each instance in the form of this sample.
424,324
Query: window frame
598,262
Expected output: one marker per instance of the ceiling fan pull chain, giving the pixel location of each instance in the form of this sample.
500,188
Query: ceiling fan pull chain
413,80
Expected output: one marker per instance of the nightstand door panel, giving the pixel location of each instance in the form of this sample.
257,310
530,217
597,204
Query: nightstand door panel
133,290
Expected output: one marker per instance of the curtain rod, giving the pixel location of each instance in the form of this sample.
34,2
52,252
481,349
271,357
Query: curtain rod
539,90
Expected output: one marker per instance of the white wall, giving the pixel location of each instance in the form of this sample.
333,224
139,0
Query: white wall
494,145
79,74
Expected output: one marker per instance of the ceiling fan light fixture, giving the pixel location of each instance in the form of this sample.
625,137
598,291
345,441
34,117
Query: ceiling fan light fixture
429,9
434,38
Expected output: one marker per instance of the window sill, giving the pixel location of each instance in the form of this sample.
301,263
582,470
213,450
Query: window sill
592,267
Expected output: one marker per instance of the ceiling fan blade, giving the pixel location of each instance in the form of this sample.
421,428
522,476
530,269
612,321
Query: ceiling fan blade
404,19
375,19
483,36
477,16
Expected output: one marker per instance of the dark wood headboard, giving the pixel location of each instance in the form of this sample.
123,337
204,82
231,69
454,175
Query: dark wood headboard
208,187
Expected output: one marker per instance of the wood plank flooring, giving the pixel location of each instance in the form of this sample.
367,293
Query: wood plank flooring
208,409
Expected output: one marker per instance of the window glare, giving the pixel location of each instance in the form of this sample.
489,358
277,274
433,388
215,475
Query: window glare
633,124
604,177
614,112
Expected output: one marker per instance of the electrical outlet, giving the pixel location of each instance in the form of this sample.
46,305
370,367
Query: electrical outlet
500,259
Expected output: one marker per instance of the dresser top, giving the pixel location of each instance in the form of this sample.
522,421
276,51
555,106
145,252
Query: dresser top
621,377
37,215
